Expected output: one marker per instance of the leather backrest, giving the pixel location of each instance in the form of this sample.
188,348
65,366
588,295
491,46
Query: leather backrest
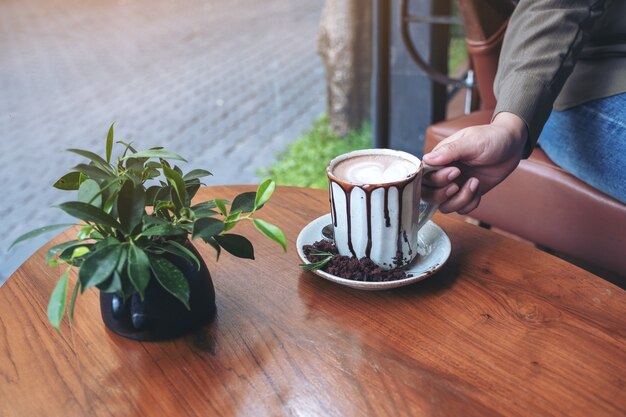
485,23
484,55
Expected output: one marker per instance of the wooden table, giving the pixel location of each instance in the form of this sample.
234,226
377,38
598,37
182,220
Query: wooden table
502,330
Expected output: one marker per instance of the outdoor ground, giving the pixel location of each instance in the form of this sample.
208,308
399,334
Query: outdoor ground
227,84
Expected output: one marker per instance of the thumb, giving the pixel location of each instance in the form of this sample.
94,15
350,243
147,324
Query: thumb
450,151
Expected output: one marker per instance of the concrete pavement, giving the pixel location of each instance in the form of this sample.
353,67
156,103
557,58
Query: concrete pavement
225,84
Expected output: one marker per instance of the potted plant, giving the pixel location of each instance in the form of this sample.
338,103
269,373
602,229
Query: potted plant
134,243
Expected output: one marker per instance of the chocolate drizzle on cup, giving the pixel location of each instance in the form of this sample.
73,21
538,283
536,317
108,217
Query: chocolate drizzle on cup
368,189
332,205
374,202
386,208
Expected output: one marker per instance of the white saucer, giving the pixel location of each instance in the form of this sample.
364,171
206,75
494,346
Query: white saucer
433,248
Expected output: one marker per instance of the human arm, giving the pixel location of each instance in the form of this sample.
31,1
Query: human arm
482,156
540,48
542,43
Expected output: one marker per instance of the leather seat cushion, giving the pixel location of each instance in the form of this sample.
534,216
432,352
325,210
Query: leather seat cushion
545,204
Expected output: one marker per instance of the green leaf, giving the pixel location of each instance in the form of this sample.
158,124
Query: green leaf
211,241
164,194
89,213
99,266
181,251
89,192
109,145
170,278
56,305
110,206
40,231
264,192
95,158
151,194
164,206
207,227
73,252
176,182
207,204
131,203
204,209
231,220
191,187
111,285
187,226
323,259
136,164
236,245
134,177
69,181
54,262
164,230
93,172
109,241
80,251
196,174
127,288
221,205
151,220
110,191
150,173
73,299
60,248
155,153
138,269
84,232
120,268
127,146
271,231
244,202
202,213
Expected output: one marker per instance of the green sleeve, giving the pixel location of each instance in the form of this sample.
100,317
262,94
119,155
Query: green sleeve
541,45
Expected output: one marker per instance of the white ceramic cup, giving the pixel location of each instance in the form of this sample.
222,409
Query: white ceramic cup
379,221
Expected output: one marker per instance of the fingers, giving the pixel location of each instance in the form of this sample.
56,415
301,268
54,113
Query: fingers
441,177
438,185
465,200
461,146
439,195
471,205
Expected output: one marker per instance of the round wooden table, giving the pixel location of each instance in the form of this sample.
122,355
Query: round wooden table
501,330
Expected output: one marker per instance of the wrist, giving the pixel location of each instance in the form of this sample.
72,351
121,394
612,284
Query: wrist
516,129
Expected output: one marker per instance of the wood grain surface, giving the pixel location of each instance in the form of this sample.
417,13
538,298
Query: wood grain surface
502,330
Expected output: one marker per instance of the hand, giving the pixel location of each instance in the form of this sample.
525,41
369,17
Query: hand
480,157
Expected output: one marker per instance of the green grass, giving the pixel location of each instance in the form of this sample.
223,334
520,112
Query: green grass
457,54
304,162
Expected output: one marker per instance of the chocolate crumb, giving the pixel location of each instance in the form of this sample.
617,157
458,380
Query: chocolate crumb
349,267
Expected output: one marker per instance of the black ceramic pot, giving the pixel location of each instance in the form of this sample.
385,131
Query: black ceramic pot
161,315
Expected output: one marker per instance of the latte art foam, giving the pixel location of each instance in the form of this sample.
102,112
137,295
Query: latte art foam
374,169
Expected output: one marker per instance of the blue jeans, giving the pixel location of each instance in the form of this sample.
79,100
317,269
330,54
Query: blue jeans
589,141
